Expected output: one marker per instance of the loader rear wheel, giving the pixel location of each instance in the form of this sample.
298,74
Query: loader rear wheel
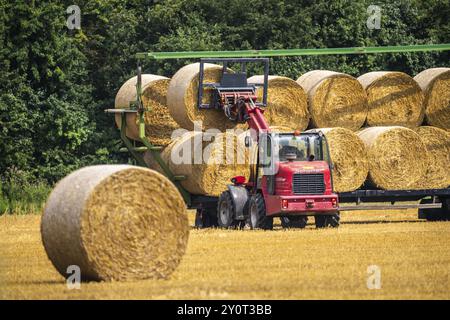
294,222
226,212
257,214
327,220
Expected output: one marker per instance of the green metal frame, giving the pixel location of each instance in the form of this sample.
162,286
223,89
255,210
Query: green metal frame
291,52
138,106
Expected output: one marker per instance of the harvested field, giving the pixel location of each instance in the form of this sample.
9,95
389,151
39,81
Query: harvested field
224,264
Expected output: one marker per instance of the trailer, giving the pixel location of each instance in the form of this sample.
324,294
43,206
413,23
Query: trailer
433,204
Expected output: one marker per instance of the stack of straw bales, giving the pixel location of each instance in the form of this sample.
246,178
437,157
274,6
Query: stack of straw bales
435,83
159,124
335,99
115,222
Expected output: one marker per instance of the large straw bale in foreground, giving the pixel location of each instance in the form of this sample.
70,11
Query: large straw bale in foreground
207,160
335,99
116,222
182,97
395,99
349,157
435,83
286,102
437,142
397,157
159,124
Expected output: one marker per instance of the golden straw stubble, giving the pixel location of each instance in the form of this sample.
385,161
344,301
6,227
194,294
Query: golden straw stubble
287,103
349,157
115,222
182,97
435,83
437,143
334,99
397,157
159,124
395,99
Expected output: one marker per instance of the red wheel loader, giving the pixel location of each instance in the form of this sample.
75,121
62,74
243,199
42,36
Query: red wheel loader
291,177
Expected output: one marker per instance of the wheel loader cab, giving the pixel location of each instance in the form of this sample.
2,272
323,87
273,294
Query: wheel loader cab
295,173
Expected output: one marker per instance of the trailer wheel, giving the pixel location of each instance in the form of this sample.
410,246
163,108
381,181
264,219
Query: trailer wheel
206,218
294,222
437,214
257,218
327,220
226,212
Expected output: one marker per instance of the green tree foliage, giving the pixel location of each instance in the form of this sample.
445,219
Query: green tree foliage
55,82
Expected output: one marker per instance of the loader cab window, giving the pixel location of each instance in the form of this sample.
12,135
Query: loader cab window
305,147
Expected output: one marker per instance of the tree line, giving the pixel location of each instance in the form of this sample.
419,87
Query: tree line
55,81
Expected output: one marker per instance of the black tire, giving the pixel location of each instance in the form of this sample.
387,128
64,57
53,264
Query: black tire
294,222
327,220
436,214
226,213
257,218
206,218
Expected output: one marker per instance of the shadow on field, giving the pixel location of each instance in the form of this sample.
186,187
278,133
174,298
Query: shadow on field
382,221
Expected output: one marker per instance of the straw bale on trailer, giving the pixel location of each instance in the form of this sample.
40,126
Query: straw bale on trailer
397,157
395,99
335,99
437,143
207,160
182,97
435,83
286,102
159,124
349,157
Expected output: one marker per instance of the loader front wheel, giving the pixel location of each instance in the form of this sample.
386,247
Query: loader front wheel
226,212
327,220
257,214
294,222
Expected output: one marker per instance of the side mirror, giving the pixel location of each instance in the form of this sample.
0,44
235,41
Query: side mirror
248,141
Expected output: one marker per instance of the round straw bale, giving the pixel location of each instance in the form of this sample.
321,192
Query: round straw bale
397,157
395,99
335,99
115,222
435,83
207,160
437,143
159,124
286,102
349,157
182,97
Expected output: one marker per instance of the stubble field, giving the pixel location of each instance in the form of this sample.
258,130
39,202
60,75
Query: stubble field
413,257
